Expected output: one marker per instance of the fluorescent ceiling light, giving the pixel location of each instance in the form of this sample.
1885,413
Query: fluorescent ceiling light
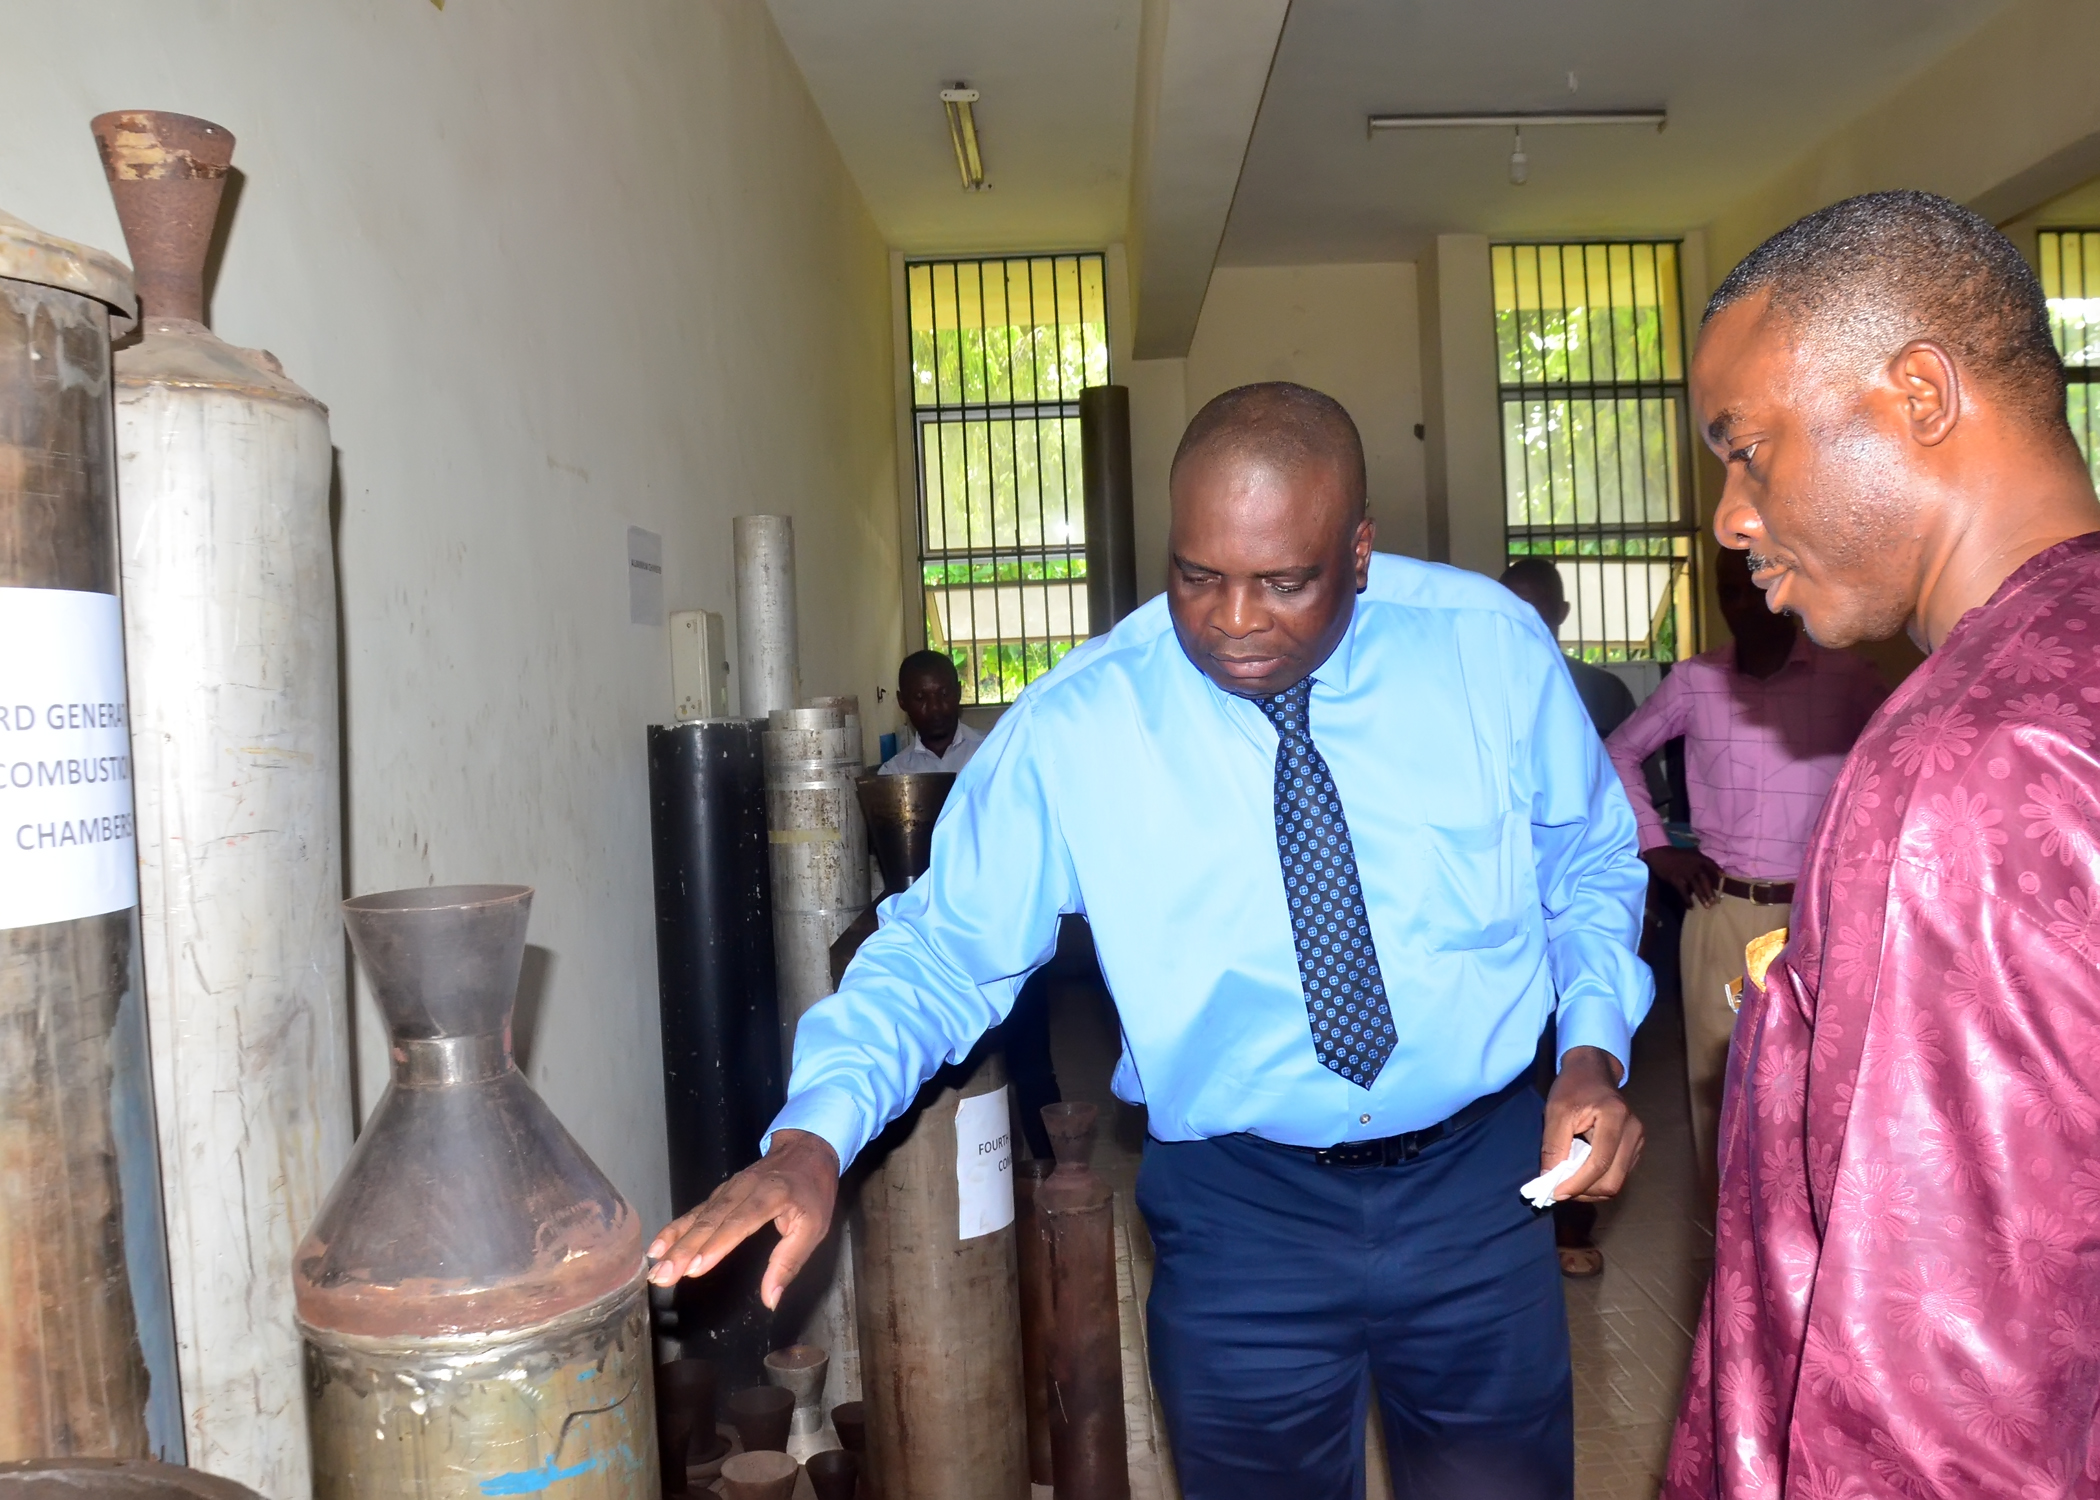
960,103
1519,119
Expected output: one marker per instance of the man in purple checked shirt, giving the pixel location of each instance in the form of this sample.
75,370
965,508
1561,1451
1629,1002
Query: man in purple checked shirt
1766,720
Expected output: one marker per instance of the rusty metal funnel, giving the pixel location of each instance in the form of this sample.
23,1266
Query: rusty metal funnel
901,812
466,1206
167,172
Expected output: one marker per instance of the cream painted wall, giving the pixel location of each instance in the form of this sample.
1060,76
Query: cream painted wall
1984,125
556,270
1347,330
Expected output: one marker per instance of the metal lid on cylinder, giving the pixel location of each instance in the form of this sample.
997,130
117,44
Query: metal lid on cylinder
29,254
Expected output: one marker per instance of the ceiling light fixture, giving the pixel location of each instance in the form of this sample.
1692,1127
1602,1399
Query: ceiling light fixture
1519,163
960,103
1519,119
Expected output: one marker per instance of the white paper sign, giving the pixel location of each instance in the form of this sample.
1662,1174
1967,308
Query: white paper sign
67,847
984,1165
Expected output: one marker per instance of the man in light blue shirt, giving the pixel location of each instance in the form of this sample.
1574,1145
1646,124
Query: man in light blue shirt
1346,841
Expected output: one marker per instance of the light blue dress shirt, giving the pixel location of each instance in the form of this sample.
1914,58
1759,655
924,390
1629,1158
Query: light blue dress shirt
1495,847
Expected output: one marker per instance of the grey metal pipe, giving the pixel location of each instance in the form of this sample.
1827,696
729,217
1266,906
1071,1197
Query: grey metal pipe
769,671
87,1363
1111,525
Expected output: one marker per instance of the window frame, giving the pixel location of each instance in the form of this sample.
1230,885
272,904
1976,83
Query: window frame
1577,540
1012,567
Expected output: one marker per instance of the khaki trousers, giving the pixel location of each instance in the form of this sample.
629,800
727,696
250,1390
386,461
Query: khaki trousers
1710,954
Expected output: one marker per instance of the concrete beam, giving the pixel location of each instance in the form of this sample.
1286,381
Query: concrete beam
1202,67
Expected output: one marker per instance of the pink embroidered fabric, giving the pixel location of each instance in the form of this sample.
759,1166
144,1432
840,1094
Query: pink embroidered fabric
1906,1290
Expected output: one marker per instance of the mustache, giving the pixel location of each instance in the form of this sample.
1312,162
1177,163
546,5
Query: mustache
1759,562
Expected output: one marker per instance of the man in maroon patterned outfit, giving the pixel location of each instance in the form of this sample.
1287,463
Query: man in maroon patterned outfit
1906,1292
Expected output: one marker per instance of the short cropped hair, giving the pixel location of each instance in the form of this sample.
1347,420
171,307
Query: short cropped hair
1862,278
1539,572
928,663
1291,426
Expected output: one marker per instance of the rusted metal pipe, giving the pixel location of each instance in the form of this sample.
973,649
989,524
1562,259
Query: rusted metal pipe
87,1348
1038,1312
1089,1454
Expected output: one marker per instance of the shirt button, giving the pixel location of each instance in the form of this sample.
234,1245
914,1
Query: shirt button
1363,1119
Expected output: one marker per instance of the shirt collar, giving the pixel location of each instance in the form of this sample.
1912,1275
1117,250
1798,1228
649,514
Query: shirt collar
1334,672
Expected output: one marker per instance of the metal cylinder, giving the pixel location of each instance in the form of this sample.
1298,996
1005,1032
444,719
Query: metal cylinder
940,1314
848,706
471,1295
230,642
721,1018
1111,523
87,1346
768,665
819,842
1089,1451
1038,1312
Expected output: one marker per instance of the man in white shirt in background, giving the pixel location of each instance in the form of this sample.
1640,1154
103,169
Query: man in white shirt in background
930,693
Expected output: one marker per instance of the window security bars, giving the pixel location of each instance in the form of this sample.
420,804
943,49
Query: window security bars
1595,438
2070,267
1000,349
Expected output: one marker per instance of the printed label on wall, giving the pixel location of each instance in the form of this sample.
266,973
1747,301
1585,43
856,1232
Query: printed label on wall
67,847
984,1165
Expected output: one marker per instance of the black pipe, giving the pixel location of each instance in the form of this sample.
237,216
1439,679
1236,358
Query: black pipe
1111,525
720,1007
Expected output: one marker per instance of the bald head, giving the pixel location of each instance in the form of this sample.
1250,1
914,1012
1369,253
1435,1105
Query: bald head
1282,427
1854,282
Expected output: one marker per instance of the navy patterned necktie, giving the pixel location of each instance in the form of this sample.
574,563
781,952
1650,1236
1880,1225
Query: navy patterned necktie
1352,1026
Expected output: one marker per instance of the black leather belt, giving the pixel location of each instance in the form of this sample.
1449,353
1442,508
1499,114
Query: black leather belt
1762,892
1391,1150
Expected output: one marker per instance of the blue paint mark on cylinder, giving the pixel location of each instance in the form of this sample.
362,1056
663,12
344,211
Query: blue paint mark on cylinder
533,1481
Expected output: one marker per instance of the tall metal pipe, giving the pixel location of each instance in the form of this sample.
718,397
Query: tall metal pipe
940,1317
471,1295
1038,1313
229,611
769,670
819,842
1111,523
1089,1452
721,1018
87,1345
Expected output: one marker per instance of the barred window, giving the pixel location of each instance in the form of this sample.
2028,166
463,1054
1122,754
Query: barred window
2070,260
1596,436
1000,349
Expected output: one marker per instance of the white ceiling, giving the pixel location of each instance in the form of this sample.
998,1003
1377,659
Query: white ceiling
1059,82
1749,87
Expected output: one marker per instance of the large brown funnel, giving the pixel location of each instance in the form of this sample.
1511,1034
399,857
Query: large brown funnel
466,1206
901,812
166,172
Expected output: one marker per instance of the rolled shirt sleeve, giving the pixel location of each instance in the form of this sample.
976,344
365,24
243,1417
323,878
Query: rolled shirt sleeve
1591,881
951,953
1666,715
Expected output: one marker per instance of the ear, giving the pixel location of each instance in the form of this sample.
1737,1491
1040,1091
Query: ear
1560,617
1929,389
1360,544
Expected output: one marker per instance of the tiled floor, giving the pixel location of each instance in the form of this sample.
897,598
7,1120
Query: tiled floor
1631,1327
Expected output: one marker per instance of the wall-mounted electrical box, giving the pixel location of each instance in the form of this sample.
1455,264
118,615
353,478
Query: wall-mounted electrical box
699,665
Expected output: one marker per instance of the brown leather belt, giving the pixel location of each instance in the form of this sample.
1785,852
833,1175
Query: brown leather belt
1762,892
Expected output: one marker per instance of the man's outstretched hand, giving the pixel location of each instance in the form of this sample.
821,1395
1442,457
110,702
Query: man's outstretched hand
793,1188
1585,1101
1695,877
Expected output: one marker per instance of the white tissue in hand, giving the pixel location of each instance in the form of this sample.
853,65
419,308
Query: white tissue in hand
1541,1188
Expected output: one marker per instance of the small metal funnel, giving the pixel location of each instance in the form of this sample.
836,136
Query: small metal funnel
167,172
901,812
